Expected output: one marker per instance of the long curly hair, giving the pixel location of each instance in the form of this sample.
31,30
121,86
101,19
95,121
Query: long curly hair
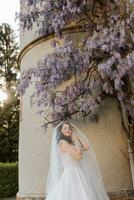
61,136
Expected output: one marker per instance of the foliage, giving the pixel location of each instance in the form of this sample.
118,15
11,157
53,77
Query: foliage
8,179
9,110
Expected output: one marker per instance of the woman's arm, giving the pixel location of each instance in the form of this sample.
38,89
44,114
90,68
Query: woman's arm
74,151
84,145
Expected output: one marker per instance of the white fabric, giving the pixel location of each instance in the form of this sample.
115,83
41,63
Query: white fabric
71,179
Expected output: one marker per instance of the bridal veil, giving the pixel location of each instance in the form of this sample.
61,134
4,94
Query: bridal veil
88,165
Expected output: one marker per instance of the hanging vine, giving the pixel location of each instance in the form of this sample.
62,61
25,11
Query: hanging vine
101,65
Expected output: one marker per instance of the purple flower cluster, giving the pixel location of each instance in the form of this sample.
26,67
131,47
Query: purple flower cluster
103,65
49,15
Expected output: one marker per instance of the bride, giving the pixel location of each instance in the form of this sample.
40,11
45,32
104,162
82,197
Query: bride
73,173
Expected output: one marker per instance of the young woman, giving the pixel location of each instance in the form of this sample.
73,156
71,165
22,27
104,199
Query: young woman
74,173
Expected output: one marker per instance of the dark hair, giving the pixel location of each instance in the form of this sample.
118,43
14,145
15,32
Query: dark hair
61,136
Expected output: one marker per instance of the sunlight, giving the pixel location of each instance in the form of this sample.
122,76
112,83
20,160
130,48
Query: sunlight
3,96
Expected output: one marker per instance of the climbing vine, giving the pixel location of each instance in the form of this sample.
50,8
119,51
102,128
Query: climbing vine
101,65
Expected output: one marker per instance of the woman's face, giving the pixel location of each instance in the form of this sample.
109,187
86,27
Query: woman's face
66,129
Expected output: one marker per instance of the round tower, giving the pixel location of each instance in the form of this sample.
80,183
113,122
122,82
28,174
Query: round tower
105,133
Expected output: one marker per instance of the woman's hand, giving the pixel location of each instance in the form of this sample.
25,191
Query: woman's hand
74,136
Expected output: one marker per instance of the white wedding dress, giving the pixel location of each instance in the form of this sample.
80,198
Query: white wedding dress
72,184
71,179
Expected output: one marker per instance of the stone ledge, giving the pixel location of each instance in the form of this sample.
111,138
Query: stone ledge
30,198
123,194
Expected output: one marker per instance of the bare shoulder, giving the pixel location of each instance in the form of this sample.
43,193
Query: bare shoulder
63,144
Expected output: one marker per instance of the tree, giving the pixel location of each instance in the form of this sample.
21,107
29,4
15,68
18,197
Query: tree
9,110
102,64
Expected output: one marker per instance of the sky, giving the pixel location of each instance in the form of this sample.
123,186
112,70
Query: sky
7,13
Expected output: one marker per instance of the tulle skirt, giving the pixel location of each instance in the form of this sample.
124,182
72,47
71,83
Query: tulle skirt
72,185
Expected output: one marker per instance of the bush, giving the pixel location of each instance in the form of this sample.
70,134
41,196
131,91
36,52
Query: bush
8,179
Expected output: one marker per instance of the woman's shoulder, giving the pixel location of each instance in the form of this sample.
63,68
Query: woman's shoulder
63,142
64,145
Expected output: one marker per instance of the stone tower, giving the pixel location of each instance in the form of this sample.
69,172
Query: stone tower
106,135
